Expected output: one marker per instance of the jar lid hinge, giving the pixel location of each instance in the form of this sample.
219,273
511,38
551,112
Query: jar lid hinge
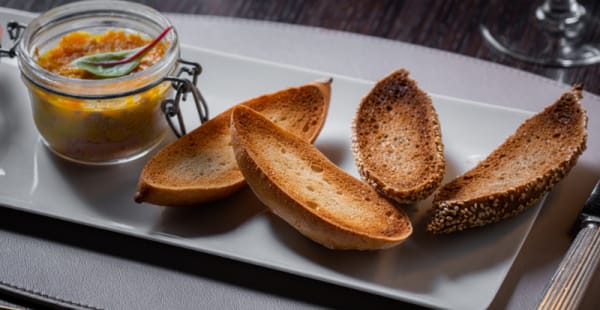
183,86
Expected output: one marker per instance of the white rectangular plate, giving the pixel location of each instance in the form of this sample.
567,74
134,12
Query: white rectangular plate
461,271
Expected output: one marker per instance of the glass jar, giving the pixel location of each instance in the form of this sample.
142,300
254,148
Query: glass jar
99,121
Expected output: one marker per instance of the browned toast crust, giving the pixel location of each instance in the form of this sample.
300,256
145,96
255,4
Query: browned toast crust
397,142
300,185
200,167
518,173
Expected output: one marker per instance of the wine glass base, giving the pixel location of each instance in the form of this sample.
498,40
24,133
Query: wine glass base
547,49
553,34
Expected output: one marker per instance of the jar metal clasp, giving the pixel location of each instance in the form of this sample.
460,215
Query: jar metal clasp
170,107
15,30
183,86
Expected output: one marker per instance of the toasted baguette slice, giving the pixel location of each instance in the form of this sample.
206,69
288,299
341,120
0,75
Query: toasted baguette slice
200,167
396,140
518,173
299,184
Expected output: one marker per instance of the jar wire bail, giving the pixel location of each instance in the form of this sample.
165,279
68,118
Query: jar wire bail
183,86
15,30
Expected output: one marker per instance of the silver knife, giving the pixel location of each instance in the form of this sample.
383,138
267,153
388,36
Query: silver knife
568,284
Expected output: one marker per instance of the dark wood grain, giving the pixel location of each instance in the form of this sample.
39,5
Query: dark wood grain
451,25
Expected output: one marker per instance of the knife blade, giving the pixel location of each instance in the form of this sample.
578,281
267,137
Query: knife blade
591,209
568,284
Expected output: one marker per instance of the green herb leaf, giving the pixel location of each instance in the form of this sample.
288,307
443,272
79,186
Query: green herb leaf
115,64
94,63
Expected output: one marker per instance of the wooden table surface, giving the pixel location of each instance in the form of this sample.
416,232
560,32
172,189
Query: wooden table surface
452,25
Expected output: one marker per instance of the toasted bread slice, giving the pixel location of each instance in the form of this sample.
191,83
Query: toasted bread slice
397,141
518,173
300,185
200,166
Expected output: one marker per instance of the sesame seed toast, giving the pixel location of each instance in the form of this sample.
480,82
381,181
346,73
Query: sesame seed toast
200,167
518,173
300,185
396,140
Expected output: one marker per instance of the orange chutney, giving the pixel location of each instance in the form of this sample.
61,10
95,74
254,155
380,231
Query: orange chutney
81,43
99,130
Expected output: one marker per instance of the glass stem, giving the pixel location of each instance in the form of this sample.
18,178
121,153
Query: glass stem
560,12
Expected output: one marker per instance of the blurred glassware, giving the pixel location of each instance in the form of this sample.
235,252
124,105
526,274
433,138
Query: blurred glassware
557,33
